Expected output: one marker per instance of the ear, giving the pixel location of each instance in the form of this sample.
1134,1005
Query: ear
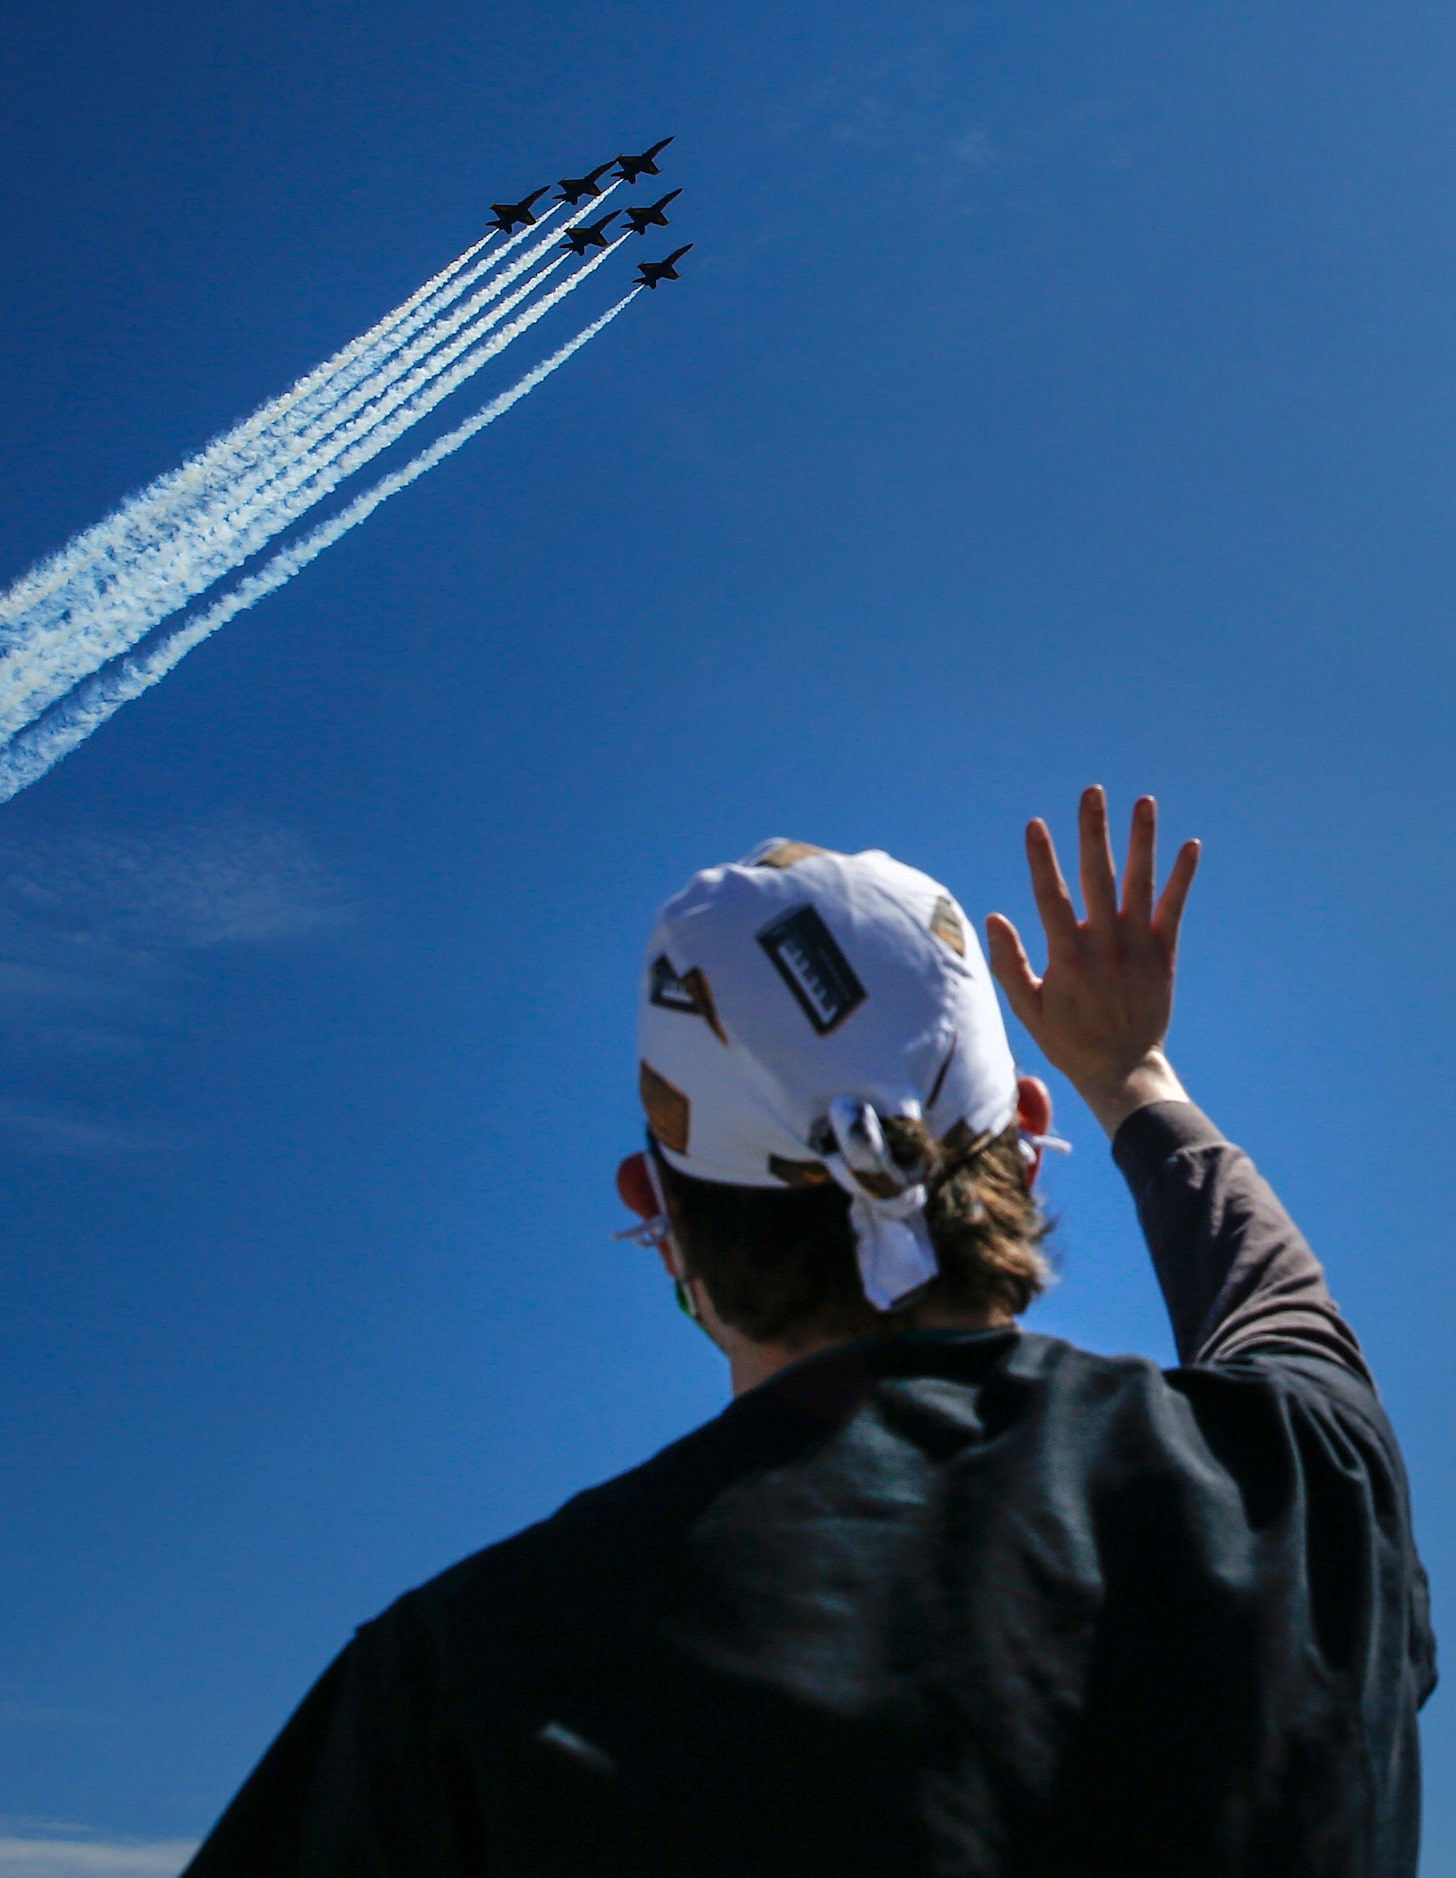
1033,1114
634,1187
1033,1105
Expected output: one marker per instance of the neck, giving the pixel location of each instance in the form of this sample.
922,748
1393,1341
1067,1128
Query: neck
751,1363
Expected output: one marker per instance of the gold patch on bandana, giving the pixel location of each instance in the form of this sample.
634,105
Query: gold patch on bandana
787,852
880,1186
669,1112
798,1173
695,983
945,923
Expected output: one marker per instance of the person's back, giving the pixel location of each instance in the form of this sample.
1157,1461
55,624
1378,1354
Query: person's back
946,1598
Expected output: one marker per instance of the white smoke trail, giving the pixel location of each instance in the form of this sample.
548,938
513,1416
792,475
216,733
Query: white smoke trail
402,348
101,695
135,568
395,363
491,262
164,576
56,568
159,499
33,677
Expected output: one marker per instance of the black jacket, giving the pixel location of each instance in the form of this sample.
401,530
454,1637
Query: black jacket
963,1605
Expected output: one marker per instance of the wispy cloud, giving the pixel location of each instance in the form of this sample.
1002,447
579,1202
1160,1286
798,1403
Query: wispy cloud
83,1856
929,114
976,150
55,1133
18,1712
102,938
200,885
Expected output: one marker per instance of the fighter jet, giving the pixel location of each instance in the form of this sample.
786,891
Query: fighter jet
573,188
629,168
589,234
509,214
643,218
654,271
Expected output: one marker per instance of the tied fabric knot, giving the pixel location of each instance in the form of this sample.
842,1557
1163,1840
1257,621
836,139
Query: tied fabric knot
887,1205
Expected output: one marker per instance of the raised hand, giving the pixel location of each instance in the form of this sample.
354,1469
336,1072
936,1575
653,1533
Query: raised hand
1101,1010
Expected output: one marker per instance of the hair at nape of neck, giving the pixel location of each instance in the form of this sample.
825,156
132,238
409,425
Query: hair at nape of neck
780,1266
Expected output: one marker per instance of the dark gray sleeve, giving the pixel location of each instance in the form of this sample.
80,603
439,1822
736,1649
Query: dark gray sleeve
1235,1270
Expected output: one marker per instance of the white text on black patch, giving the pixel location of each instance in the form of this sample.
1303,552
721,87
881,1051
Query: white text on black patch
813,967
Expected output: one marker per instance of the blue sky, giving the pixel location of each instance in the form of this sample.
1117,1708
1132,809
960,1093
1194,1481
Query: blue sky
1052,395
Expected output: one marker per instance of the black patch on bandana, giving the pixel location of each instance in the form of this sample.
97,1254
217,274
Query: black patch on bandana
670,991
808,959
689,994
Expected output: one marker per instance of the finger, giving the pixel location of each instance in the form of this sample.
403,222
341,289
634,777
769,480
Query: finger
1099,877
1142,867
1053,902
1169,915
1012,969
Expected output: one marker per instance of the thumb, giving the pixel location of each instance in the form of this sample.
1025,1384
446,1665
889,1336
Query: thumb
1012,969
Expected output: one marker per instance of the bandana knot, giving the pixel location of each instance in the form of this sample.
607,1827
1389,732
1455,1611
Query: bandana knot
887,1204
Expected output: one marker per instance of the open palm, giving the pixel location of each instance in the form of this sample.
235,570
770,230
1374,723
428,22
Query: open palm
1100,1011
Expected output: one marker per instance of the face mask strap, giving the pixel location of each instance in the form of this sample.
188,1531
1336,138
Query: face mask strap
657,1233
685,1300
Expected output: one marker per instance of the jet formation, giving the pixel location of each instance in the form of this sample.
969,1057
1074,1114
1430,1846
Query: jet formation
509,216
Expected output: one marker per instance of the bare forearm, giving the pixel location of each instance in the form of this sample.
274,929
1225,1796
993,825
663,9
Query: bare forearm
1114,1096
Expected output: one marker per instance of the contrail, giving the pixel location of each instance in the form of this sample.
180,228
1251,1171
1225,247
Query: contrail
412,339
166,493
137,572
34,676
399,358
38,676
141,591
488,265
42,746
48,574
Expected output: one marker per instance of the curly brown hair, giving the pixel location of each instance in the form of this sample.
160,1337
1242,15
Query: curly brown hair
780,1266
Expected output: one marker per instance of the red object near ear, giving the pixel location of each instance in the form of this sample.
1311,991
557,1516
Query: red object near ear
1033,1104
1034,1114
634,1185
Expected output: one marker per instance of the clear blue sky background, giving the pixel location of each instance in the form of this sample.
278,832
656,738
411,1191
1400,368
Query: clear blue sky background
1054,394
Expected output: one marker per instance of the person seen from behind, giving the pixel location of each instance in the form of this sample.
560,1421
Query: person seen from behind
934,1595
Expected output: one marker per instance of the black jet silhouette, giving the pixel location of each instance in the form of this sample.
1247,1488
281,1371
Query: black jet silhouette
573,188
654,271
630,168
643,218
589,234
510,214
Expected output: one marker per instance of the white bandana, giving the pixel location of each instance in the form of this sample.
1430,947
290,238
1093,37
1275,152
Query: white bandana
792,1000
